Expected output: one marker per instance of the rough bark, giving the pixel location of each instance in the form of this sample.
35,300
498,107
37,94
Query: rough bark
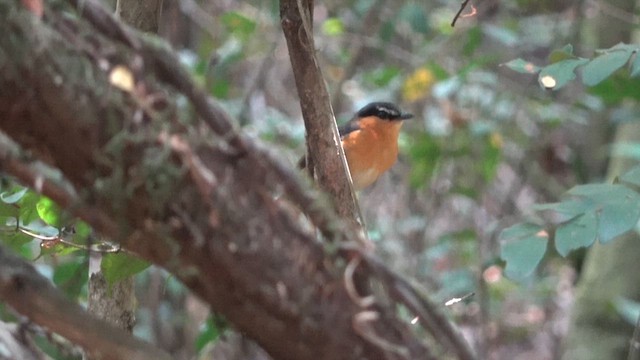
194,195
31,294
325,157
143,15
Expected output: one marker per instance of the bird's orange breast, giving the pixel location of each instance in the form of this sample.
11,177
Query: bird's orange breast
371,150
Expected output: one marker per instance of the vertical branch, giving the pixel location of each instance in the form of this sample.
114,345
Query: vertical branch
324,150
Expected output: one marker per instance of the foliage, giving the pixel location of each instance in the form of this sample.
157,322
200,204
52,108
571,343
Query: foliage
590,212
594,71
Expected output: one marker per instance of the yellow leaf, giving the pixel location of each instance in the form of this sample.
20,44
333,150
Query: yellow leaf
418,84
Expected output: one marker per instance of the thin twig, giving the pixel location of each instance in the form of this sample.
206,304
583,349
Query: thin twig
459,13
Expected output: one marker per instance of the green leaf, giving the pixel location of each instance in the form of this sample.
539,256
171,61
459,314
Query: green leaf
522,247
616,207
491,159
28,211
71,276
522,66
603,66
49,211
562,72
576,233
561,54
617,88
333,27
119,266
8,210
632,176
473,41
13,197
569,209
213,328
383,76
238,24
425,154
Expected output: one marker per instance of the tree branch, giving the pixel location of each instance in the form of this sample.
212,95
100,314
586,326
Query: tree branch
323,139
28,292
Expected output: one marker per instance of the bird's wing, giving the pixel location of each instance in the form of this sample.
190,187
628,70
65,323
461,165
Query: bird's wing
349,127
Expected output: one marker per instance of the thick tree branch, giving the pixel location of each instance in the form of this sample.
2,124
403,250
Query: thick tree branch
28,292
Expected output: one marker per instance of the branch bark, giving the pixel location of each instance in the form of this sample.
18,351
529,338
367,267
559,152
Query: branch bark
325,156
28,292
207,203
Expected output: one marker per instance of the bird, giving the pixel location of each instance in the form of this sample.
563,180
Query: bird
370,141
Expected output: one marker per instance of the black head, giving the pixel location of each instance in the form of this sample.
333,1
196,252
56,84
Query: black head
383,110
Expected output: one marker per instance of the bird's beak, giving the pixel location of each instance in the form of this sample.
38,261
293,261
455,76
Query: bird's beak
406,116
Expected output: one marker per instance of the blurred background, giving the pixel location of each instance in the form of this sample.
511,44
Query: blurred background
486,143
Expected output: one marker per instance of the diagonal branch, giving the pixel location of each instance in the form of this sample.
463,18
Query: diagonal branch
28,292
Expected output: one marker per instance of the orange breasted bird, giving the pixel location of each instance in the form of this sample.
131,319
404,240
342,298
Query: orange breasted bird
370,141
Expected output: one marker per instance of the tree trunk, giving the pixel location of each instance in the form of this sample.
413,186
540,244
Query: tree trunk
597,331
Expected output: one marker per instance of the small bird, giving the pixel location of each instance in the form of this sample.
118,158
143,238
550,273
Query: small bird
370,141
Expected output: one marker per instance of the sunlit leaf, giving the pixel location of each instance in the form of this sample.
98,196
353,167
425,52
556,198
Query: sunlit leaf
122,78
548,82
561,72
522,246
333,27
603,66
49,211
